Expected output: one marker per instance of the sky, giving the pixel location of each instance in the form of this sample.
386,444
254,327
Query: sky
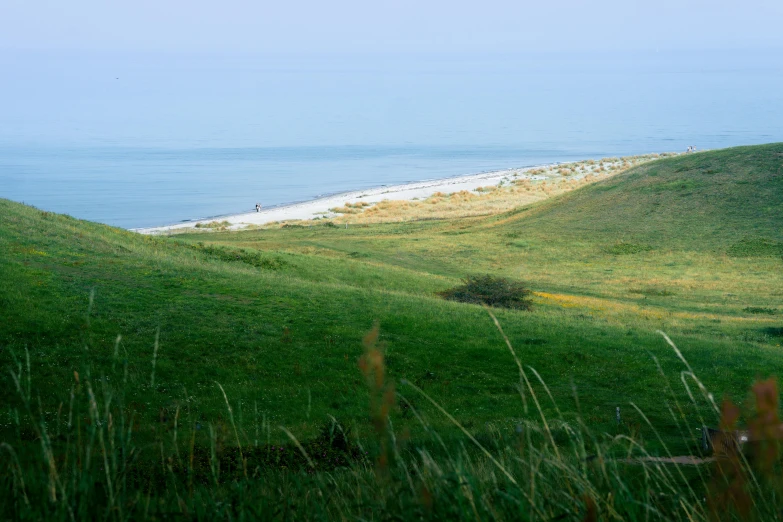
306,26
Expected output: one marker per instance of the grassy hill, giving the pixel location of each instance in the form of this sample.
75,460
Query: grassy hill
726,202
690,245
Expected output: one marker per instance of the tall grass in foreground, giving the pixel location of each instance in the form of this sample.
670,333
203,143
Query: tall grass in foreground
85,461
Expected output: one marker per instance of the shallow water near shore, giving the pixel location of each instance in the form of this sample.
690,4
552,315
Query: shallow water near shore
142,140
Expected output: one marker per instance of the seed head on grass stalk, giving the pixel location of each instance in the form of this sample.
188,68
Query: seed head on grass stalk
382,392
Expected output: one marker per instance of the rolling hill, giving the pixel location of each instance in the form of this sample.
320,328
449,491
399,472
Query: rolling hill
727,201
690,245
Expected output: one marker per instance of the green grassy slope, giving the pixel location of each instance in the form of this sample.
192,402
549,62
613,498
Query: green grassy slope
727,201
277,316
639,239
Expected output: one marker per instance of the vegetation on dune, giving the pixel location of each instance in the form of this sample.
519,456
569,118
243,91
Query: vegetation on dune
116,344
519,188
214,225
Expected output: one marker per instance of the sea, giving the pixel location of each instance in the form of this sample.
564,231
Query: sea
145,139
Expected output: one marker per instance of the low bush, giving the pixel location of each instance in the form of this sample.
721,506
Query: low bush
756,247
249,257
773,331
759,310
652,291
491,291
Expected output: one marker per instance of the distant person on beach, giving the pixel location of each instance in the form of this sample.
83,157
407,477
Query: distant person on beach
258,207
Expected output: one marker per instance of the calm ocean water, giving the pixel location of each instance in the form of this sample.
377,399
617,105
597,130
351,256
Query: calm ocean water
141,140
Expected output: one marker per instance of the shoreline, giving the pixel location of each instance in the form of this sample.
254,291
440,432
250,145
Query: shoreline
319,206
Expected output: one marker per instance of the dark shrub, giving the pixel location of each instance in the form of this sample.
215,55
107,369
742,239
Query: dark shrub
773,331
756,247
652,291
760,310
492,291
254,258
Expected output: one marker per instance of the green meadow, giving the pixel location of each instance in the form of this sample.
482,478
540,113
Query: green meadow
153,377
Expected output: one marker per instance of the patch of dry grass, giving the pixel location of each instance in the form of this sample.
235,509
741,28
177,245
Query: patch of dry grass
522,188
215,225
350,208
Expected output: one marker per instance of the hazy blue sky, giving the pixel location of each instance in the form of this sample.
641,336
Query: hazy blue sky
399,25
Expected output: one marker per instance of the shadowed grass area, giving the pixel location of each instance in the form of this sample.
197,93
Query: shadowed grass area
277,316
88,464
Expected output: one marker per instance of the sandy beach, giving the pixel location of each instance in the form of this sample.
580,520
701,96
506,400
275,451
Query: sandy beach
320,207
565,175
